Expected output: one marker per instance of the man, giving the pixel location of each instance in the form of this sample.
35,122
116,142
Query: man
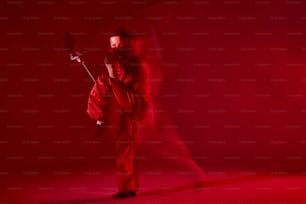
127,82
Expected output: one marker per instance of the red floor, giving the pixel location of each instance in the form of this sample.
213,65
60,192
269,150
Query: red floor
157,187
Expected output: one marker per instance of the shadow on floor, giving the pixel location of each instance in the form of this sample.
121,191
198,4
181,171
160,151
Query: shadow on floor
193,186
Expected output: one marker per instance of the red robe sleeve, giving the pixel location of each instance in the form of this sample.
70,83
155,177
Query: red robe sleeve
96,102
132,95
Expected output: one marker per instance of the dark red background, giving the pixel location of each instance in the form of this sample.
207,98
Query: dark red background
233,79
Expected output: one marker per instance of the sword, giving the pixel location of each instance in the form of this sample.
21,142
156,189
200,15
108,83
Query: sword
69,43
77,58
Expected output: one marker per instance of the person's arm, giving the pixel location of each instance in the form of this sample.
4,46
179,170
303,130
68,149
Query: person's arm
121,92
130,93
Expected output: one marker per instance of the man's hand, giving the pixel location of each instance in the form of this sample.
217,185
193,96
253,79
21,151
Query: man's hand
102,128
99,122
109,68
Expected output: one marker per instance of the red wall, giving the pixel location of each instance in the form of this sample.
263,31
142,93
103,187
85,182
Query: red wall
231,78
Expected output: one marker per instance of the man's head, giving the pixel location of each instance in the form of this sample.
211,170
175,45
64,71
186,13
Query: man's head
115,41
120,38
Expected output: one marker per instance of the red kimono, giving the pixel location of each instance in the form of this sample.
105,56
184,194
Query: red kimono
132,96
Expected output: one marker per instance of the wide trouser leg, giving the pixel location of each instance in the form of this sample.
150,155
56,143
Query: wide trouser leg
125,158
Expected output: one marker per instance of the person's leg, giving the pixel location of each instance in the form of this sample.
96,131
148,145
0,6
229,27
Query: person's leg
125,159
125,165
